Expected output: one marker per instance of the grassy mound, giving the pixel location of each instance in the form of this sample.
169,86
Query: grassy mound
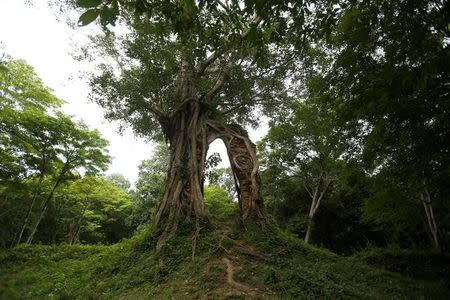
228,264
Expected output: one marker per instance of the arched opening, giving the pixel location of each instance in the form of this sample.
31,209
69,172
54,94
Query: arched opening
220,189
218,172
244,165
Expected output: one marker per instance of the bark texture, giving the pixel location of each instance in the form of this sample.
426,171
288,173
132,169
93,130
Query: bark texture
183,197
245,167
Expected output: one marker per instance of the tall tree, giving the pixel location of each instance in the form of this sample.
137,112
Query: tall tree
304,142
78,150
92,210
185,68
29,131
40,147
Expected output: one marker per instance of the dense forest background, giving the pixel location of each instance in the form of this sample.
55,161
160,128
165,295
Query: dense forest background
357,155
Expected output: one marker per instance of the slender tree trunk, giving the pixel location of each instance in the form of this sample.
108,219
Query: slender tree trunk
71,233
75,228
36,224
311,214
309,229
30,209
432,226
323,182
44,209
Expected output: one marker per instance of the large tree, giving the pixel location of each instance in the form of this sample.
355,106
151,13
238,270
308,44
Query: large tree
187,69
304,142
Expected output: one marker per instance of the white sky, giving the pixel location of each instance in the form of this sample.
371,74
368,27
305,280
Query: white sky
34,34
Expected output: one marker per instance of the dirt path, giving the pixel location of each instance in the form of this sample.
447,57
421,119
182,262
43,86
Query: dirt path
230,272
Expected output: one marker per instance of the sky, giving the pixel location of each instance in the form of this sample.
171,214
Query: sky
32,33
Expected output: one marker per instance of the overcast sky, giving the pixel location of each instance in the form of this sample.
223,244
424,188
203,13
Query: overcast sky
32,33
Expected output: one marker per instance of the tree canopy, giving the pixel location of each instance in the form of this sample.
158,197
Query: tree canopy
41,148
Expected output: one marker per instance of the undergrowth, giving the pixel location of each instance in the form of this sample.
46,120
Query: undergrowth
270,264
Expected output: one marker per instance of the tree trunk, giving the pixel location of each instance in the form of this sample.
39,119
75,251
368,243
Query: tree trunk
311,214
309,229
71,233
36,224
244,165
30,209
432,226
183,197
316,195
190,134
75,227
44,207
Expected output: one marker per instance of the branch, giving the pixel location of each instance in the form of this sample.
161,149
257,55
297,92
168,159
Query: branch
223,5
219,52
208,61
218,84
154,110
308,190
252,101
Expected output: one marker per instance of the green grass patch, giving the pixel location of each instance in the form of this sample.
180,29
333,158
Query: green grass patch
269,264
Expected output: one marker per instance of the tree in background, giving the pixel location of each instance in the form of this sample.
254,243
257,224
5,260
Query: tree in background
92,209
149,186
119,180
218,203
223,178
385,70
40,147
28,132
305,143
78,150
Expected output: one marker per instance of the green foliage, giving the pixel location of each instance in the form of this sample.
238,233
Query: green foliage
24,118
222,177
130,270
92,210
385,74
250,44
373,106
218,204
119,180
40,149
149,186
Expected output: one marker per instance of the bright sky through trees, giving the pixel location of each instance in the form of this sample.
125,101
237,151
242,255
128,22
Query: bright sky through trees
32,33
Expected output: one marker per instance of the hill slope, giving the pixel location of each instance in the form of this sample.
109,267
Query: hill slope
227,264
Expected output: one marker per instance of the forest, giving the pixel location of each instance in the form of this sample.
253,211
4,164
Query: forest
346,195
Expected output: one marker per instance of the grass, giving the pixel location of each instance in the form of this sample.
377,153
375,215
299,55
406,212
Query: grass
269,264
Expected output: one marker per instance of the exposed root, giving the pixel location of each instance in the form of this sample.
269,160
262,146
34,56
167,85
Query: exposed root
251,252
